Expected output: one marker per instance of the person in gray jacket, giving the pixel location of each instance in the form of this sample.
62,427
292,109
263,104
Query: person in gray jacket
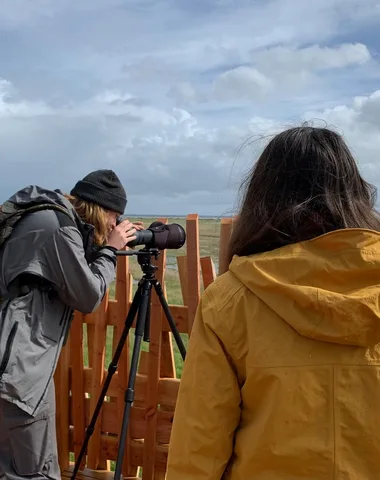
54,262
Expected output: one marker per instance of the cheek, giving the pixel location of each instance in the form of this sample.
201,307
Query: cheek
111,222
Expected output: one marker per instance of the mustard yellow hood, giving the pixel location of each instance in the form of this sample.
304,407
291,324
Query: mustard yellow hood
327,289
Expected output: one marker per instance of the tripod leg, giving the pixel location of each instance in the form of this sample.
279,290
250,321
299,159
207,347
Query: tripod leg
129,394
111,370
165,306
147,322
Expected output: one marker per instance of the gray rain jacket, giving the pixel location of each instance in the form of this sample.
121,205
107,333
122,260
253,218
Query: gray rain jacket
56,248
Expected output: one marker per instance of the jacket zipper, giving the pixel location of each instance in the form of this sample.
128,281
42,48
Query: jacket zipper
8,348
63,317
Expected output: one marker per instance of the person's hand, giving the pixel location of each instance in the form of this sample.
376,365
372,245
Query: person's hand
138,225
121,235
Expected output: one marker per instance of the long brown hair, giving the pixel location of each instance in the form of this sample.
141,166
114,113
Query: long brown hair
304,184
94,215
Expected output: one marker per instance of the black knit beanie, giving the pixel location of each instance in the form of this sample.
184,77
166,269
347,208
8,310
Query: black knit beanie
104,188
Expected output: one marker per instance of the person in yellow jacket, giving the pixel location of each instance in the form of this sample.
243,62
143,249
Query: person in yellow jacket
282,375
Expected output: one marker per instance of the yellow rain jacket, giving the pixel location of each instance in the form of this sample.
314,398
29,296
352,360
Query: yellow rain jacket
282,376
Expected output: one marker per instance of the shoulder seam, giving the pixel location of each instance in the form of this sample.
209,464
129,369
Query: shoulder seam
227,300
210,293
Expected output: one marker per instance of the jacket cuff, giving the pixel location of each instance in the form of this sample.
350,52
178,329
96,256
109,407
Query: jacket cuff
109,252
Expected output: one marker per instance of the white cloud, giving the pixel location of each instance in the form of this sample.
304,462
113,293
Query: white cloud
312,58
242,82
275,71
358,123
166,92
184,93
169,155
363,113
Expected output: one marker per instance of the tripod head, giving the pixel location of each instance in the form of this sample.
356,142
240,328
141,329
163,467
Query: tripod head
144,258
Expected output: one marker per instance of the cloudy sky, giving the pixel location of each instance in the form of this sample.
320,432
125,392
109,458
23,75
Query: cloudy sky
166,92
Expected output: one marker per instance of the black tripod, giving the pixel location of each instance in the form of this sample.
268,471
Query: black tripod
141,306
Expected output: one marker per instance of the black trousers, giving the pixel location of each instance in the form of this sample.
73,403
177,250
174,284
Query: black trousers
28,445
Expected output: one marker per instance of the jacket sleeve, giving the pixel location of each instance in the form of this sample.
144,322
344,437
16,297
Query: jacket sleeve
79,285
208,405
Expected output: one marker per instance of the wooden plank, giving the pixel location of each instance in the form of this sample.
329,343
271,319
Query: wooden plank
143,366
182,272
124,297
77,385
88,474
90,335
62,393
102,462
167,387
138,424
179,313
208,271
153,373
109,418
164,424
97,380
109,446
168,369
167,354
225,235
193,267
159,475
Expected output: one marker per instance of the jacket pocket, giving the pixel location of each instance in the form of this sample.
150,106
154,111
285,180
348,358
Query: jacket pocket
8,348
53,319
31,446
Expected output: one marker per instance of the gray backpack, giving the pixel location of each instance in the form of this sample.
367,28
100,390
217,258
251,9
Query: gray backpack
11,213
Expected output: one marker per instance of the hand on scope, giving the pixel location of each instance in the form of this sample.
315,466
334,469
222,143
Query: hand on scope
121,235
138,225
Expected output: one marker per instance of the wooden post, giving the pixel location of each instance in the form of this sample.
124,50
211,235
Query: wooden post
153,375
208,271
62,391
225,235
182,273
97,378
77,385
123,297
167,353
193,267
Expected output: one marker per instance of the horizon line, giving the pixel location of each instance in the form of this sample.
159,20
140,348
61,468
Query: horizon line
179,215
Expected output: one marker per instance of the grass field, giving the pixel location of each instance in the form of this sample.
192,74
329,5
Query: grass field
209,230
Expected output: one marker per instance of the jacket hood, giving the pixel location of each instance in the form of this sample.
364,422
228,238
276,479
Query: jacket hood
327,288
37,195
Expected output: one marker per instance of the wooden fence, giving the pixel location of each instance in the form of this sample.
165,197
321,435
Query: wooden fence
82,368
